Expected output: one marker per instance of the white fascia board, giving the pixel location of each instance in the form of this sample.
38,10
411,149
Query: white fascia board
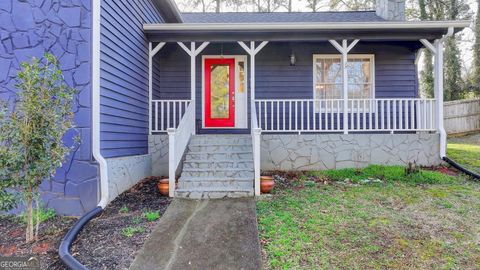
305,26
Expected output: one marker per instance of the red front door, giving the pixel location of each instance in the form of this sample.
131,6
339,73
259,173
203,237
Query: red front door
219,92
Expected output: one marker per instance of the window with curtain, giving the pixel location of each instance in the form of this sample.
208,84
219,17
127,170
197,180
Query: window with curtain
328,77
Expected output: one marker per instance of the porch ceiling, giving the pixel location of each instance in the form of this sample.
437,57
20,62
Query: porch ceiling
388,30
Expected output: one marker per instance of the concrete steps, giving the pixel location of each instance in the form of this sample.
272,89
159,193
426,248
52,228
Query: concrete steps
217,166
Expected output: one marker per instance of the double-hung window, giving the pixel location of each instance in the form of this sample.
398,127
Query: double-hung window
328,82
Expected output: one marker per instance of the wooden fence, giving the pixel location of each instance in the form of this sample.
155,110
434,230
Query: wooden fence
462,116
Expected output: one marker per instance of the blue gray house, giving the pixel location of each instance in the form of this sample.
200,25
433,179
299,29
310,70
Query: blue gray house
211,99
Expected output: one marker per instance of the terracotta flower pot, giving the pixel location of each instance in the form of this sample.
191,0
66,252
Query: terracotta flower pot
163,186
266,184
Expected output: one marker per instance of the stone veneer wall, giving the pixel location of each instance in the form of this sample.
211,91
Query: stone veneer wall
29,29
335,151
158,148
125,172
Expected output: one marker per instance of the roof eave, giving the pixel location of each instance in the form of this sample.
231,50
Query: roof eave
301,31
306,26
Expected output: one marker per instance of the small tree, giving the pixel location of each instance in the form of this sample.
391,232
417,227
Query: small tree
31,146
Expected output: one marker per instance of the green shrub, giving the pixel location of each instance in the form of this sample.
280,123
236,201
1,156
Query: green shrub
131,231
31,135
41,213
136,220
151,216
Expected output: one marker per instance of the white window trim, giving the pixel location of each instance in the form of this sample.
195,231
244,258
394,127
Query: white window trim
238,58
339,56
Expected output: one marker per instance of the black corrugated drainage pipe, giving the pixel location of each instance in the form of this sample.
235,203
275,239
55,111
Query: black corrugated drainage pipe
64,250
459,167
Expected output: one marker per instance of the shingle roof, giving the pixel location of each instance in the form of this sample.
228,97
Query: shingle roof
272,17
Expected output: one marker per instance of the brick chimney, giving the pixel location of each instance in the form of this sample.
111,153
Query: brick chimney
391,10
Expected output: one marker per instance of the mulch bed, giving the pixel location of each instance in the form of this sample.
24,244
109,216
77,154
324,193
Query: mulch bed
101,244
12,239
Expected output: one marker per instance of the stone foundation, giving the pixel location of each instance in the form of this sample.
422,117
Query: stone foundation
336,151
125,172
158,149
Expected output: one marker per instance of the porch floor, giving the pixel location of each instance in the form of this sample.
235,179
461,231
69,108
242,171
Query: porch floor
204,234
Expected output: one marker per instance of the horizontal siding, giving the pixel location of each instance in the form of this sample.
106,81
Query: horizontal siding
395,70
124,76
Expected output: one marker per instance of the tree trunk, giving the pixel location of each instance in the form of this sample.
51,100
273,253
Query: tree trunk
217,6
37,217
290,5
29,229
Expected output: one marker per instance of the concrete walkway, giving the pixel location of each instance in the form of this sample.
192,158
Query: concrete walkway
206,234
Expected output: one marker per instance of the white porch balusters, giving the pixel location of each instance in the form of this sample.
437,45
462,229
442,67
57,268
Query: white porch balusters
193,52
437,50
151,53
256,131
344,49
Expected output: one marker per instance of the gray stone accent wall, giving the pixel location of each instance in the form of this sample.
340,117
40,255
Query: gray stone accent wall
125,172
335,151
391,10
158,148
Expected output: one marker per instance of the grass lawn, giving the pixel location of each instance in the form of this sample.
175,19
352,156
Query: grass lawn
466,151
321,221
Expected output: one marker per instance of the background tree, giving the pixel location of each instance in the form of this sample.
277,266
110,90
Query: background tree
475,81
269,5
314,5
31,145
202,4
354,5
454,85
426,75
444,10
288,5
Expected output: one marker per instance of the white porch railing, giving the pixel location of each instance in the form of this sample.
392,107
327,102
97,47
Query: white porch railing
178,139
167,113
326,115
256,136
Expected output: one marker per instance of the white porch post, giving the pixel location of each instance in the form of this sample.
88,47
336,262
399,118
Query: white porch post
193,52
171,162
252,51
256,132
344,49
438,86
151,53
437,50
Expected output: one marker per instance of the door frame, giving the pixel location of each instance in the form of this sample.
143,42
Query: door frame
237,57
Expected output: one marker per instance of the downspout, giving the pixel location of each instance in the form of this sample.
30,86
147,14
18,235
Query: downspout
96,104
441,128
64,249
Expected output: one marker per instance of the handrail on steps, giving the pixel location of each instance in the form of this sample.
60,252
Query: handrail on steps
256,136
178,139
